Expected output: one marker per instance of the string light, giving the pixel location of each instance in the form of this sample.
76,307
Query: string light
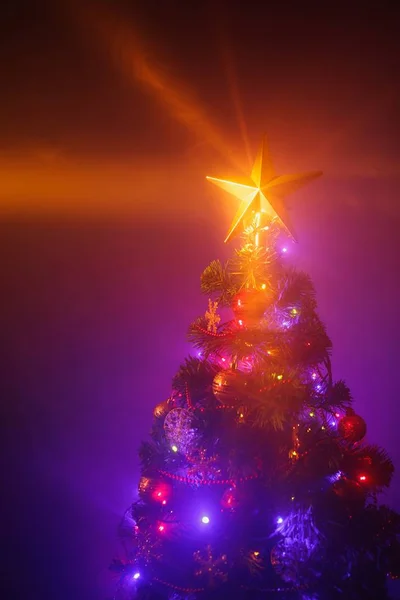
136,575
205,520
279,520
174,448
188,398
176,587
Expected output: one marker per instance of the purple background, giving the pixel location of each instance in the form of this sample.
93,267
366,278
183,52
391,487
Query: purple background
95,303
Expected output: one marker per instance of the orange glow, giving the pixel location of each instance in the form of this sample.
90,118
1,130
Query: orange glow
34,184
132,57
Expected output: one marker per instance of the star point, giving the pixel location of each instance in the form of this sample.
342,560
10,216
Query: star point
265,192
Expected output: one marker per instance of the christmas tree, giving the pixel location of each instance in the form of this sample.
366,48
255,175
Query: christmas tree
257,482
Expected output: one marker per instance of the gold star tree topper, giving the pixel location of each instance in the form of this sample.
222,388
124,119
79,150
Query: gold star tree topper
264,193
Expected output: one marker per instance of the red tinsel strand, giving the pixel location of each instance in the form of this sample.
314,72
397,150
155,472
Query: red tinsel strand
273,385
188,398
191,480
176,587
221,407
211,333
281,590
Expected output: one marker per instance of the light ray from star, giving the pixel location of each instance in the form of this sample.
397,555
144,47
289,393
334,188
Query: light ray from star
131,56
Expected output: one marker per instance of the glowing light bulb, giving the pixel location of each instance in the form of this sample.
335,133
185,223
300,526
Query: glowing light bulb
279,520
240,322
136,575
161,528
362,478
256,554
264,285
164,502
205,520
292,498
174,448
239,302
279,377
314,376
294,312
159,494
312,414
223,359
333,423
284,249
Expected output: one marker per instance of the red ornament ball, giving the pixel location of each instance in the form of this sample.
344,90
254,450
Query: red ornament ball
227,387
249,306
352,427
